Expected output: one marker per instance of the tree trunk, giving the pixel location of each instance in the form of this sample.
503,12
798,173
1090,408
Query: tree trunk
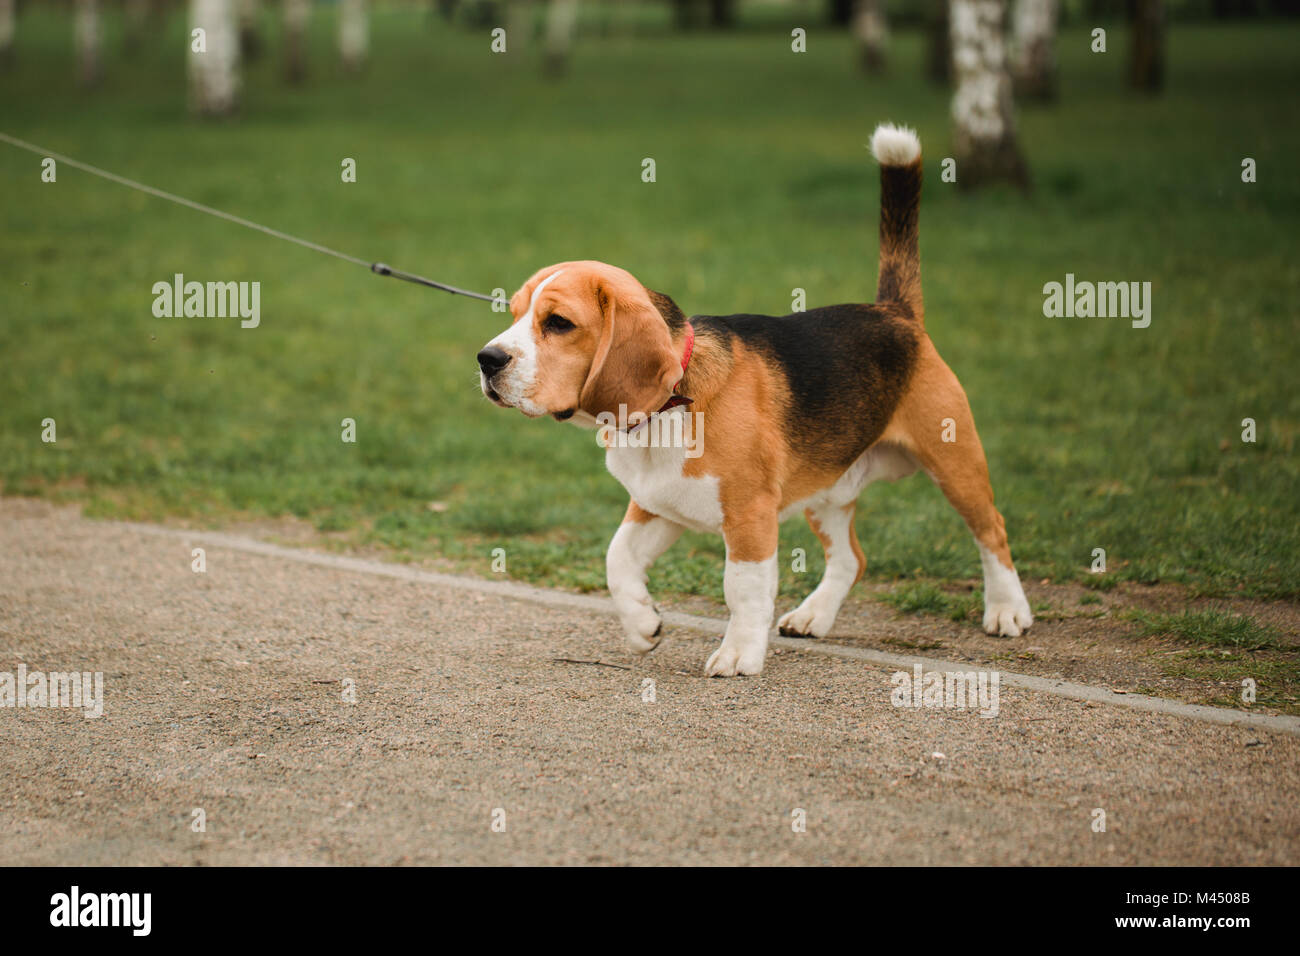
722,13
6,32
519,26
984,132
250,22
296,15
841,12
1034,68
89,36
1147,65
214,73
871,33
561,19
686,14
135,18
938,53
354,34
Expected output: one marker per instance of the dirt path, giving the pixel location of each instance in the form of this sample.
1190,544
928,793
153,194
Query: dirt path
224,692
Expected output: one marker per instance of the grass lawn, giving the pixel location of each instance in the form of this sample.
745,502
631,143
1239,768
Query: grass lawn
474,171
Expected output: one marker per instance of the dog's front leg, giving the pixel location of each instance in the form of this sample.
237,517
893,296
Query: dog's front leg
749,584
640,539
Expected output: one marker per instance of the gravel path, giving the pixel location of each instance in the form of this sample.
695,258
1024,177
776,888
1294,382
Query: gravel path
225,692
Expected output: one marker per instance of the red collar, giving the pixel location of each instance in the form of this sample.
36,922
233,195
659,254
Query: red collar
690,346
674,399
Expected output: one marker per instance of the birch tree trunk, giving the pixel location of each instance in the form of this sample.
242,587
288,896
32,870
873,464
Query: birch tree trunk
984,132
871,33
354,34
6,32
561,19
214,72
296,15
1147,65
1034,69
89,36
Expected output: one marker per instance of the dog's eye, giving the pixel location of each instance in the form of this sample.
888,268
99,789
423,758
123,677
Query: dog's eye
556,323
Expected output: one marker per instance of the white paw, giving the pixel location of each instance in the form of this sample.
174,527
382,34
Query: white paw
641,627
812,618
731,659
1007,618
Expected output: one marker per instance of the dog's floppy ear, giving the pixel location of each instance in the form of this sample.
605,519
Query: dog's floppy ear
635,363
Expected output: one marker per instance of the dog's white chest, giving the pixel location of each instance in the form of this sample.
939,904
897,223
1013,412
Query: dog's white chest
654,479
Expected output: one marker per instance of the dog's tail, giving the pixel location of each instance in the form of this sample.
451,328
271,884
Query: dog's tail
898,150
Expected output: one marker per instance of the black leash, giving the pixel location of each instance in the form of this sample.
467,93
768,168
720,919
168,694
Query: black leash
378,268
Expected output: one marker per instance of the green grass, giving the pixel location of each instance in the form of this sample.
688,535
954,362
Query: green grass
474,171
1277,679
1225,649
926,598
1221,649
1206,629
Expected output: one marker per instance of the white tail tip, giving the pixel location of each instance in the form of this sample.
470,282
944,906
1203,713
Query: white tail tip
895,145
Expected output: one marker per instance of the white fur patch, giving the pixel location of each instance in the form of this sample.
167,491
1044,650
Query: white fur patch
816,615
515,383
1006,611
654,479
750,589
895,145
633,549
878,463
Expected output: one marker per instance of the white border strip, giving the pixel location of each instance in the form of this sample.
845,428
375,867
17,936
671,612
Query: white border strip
715,627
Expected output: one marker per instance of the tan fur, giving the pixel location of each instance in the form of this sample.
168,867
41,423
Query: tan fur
959,467
622,350
754,464
636,514
619,353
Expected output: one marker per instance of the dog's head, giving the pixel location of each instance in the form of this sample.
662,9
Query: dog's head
587,337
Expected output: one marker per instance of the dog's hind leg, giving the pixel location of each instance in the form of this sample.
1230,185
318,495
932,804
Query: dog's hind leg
941,435
845,562
640,539
1006,610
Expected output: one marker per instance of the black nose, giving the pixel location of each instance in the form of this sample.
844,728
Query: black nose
492,360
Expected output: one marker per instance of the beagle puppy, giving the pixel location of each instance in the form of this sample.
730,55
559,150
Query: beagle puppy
802,412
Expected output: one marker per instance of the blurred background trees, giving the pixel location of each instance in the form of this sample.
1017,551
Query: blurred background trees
354,34
1147,66
1034,49
984,122
871,31
990,52
213,61
88,39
